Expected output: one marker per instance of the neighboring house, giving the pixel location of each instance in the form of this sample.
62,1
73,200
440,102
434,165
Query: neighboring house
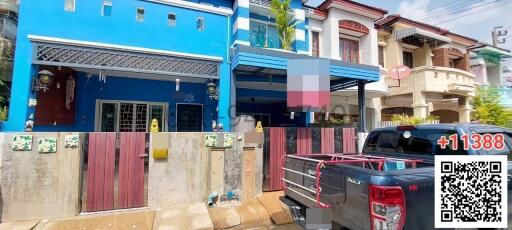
8,25
260,65
117,65
440,83
487,63
345,31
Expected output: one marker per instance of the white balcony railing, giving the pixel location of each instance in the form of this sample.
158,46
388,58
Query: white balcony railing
384,124
265,3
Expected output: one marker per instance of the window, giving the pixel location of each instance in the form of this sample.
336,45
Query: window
171,19
264,35
140,15
408,59
69,5
349,50
107,8
381,56
126,116
315,43
420,142
200,24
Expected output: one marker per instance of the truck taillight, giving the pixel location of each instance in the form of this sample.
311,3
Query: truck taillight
387,207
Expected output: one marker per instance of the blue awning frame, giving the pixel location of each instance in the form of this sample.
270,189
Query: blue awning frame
248,59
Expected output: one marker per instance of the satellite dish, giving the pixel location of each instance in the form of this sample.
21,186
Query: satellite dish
399,72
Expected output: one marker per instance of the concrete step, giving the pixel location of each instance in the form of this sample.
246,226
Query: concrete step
189,216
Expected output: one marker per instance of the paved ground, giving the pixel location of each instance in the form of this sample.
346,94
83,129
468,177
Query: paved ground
21,225
136,220
264,213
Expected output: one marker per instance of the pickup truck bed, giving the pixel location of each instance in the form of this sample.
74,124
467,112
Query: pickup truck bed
344,187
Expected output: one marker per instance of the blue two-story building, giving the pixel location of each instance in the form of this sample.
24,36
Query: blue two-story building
108,65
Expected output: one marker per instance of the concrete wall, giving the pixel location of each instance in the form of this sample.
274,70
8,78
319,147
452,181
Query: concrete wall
36,185
42,186
185,176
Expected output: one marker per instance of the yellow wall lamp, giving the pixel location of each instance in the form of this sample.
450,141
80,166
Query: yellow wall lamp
42,81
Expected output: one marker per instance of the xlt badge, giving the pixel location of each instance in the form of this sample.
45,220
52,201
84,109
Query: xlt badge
354,181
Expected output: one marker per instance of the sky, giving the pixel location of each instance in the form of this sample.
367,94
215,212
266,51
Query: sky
471,18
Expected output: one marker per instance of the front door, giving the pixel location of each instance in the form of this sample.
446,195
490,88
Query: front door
126,116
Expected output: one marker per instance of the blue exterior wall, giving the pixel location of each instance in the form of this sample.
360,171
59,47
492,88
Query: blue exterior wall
87,24
89,90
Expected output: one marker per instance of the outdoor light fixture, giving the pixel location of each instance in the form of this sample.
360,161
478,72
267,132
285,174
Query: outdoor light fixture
42,81
177,84
212,90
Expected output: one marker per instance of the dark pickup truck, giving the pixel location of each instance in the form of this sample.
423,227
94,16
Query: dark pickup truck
401,195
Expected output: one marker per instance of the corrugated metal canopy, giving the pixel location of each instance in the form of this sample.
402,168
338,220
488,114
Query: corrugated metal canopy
423,34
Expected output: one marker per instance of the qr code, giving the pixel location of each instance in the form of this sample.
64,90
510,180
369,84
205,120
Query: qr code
471,191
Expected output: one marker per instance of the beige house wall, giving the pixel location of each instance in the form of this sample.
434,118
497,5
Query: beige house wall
426,78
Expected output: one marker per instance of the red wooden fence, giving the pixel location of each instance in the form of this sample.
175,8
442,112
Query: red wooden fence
304,145
131,170
349,145
280,142
100,171
328,140
277,150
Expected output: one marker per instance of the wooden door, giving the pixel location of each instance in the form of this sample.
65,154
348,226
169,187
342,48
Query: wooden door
100,172
131,170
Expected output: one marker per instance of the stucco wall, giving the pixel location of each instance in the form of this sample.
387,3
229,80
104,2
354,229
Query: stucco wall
36,185
185,176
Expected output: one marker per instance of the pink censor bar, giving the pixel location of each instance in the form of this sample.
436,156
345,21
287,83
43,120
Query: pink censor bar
309,99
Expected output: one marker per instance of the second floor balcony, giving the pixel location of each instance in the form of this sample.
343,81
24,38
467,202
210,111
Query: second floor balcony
436,80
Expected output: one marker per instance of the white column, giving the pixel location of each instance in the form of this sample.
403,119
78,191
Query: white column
464,110
419,104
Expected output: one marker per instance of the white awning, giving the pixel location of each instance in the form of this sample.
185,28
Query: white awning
416,32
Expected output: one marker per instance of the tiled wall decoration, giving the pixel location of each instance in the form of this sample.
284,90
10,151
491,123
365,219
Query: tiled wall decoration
228,140
22,143
71,141
47,145
210,140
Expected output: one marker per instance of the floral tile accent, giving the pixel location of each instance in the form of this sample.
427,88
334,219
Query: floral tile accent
210,140
71,141
47,145
229,140
22,143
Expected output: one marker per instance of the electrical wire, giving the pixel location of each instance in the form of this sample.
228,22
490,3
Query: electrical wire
443,10
471,12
